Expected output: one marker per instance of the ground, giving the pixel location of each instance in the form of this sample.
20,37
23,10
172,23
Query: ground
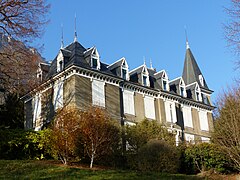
22,169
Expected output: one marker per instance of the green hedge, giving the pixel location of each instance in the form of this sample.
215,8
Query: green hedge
20,144
205,156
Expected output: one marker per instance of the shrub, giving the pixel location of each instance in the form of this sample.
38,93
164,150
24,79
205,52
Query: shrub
158,155
205,156
20,144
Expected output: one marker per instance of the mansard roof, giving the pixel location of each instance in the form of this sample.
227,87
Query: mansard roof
191,70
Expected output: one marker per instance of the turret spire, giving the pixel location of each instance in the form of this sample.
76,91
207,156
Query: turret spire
187,44
75,28
151,64
62,43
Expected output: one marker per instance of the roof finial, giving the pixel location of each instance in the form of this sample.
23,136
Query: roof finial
75,28
62,43
187,44
144,60
151,63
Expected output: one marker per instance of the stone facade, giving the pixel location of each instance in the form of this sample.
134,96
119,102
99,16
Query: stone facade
78,78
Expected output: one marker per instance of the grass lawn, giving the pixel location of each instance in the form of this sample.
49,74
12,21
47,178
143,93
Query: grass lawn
18,169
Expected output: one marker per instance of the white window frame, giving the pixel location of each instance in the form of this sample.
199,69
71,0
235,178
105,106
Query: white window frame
128,102
189,138
203,120
60,63
205,139
95,55
58,94
149,107
98,93
37,110
187,116
170,111
146,74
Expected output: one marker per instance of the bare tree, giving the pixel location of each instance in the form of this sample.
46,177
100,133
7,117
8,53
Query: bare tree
20,23
227,125
232,27
99,133
23,18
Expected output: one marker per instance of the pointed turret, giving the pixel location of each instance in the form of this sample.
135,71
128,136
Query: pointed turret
191,72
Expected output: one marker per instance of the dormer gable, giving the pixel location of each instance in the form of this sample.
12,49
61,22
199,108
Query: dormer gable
95,59
120,68
60,61
162,80
194,91
140,75
145,76
178,86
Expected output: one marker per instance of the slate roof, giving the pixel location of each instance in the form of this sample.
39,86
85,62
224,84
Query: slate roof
116,64
191,70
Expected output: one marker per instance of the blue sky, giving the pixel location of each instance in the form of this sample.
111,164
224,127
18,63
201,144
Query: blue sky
151,28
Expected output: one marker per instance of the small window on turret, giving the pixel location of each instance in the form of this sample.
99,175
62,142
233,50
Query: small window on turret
201,80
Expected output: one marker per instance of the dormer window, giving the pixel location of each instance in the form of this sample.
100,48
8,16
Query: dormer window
181,91
182,88
124,70
145,77
144,80
198,94
60,63
95,62
165,81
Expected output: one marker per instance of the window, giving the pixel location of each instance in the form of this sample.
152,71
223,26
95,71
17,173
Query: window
201,80
181,91
98,93
203,120
149,107
205,99
187,116
144,80
94,63
58,94
170,112
60,62
189,138
164,85
124,74
37,107
37,111
197,96
128,102
205,139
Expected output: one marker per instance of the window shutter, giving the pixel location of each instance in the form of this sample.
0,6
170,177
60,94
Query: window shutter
128,102
149,107
170,111
187,116
98,93
58,95
203,120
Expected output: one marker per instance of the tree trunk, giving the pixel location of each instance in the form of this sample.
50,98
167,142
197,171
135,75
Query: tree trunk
92,156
